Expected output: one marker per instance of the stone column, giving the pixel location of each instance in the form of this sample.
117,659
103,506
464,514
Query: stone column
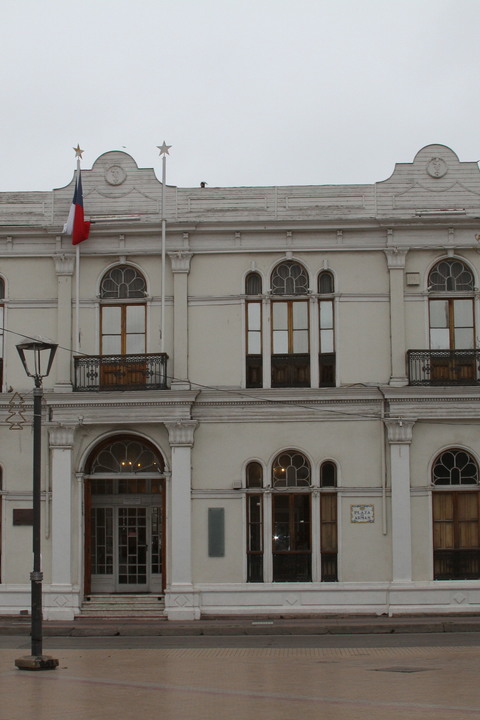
64,267
180,601
399,439
396,269
180,268
61,443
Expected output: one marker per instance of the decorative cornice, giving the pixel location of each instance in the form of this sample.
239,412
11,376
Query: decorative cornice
64,264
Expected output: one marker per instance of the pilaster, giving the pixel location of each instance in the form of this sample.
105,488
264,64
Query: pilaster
396,269
180,262
399,435
64,267
180,600
61,439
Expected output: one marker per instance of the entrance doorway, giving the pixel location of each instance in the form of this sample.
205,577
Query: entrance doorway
124,519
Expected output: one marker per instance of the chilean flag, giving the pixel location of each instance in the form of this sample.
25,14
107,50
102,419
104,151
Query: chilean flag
76,226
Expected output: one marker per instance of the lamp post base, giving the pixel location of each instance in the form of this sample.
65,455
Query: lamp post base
36,662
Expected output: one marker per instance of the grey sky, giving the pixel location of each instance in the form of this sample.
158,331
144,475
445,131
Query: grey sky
248,92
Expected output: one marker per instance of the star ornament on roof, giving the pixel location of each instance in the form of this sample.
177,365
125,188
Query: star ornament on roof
164,148
78,152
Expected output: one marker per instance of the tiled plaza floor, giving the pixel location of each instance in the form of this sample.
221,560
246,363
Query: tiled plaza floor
225,683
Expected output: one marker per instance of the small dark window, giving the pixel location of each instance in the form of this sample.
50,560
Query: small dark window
253,284
328,474
254,475
325,283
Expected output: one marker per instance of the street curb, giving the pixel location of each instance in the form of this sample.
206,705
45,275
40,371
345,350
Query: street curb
244,627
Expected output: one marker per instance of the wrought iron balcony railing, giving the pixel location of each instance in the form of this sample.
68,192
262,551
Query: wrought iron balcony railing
94,373
444,367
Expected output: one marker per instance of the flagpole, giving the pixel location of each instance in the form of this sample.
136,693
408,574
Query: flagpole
163,152
77,285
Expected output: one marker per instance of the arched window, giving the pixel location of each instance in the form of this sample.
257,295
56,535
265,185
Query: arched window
452,323
325,283
456,516
254,475
290,327
328,474
328,522
450,276
253,284
123,282
455,467
254,364
254,481
290,469
126,455
289,278
291,518
123,328
326,329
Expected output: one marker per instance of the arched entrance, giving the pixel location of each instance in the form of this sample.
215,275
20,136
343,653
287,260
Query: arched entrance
125,518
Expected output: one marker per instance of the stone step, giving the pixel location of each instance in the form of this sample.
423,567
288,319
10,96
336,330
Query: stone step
123,606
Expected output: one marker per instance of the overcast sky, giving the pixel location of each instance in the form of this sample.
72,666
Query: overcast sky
247,92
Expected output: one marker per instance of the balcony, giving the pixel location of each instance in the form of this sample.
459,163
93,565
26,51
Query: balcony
444,367
103,373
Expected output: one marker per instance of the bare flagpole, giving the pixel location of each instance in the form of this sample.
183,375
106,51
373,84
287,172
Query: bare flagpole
164,148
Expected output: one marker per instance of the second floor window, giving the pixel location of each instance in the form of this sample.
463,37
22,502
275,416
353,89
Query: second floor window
123,315
290,326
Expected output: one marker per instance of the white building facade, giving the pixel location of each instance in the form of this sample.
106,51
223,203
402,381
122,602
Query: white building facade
302,434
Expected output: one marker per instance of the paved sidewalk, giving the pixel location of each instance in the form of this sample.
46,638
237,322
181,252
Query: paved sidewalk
394,683
83,627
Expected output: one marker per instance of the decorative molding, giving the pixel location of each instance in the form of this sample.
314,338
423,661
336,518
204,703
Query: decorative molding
180,261
399,432
395,258
180,433
61,436
64,264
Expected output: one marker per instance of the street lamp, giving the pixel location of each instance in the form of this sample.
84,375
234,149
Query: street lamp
37,358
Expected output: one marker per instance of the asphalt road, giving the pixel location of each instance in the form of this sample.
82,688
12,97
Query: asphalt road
414,640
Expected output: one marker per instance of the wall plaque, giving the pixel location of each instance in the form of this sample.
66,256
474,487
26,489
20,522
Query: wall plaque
23,516
362,513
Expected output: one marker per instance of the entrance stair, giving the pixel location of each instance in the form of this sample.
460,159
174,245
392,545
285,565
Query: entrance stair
123,606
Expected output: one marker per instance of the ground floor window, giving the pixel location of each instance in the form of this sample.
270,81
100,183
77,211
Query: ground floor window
456,516
291,525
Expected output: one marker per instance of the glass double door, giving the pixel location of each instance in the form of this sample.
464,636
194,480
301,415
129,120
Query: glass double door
126,548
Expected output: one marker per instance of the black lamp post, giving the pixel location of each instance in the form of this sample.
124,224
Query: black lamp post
37,358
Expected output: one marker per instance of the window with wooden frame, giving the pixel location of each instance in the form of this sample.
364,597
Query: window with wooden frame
290,326
452,322
254,482
254,368
123,326
326,329
328,522
291,518
456,516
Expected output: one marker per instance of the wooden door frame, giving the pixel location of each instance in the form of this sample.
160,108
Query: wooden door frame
87,561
